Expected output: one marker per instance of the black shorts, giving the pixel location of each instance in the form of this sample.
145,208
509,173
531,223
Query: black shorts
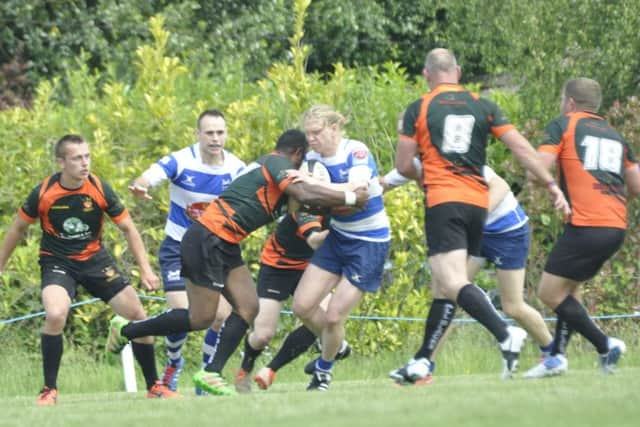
580,252
99,275
277,283
451,226
206,259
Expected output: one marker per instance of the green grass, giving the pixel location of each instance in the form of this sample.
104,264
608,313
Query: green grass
582,398
467,391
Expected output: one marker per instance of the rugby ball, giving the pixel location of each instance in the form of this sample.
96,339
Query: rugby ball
316,169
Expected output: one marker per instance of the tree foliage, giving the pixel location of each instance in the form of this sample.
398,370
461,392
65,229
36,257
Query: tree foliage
136,90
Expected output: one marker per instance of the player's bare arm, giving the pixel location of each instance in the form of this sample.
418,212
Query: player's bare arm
140,188
631,179
11,239
319,195
406,151
530,160
148,278
498,190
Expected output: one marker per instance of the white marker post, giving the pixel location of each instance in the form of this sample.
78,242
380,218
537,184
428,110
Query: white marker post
128,369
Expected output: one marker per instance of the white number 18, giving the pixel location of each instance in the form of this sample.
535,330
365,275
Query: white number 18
602,154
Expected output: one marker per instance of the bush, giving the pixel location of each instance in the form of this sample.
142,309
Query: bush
131,124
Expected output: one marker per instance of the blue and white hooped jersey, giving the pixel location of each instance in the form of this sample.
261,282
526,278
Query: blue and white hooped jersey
193,184
372,223
508,215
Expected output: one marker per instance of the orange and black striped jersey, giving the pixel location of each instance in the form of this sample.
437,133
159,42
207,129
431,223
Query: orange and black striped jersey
287,248
71,220
451,127
254,199
592,158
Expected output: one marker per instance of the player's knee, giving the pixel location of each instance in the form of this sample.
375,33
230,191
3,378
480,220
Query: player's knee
546,296
334,319
301,310
262,338
513,310
248,312
200,320
56,319
137,313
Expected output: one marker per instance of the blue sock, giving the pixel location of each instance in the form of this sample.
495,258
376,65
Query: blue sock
323,365
209,346
546,349
174,346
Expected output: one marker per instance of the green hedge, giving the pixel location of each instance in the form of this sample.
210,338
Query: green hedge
131,125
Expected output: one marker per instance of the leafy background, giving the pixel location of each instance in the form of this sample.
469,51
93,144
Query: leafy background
133,76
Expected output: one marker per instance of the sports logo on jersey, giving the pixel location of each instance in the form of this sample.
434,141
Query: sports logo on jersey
344,173
87,204
74,228
226,182
188,180
195,210
360,154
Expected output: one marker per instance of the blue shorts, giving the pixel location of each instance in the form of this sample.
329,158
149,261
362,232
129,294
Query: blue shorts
507,251
360,261
169,257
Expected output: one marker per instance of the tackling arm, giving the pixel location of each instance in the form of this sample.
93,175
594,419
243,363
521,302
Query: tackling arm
318,195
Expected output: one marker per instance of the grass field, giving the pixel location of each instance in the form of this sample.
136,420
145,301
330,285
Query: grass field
582,398
467,391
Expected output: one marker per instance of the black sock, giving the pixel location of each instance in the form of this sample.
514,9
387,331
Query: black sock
145,355
475,302
230,337
572,312
440,315
561,338
51,347
296,343
167,323
250,356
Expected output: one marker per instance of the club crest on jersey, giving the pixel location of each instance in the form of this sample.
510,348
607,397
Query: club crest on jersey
87,204
360,154
196,209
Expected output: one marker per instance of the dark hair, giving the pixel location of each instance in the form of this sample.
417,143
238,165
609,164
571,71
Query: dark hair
62,143
212,113
291,141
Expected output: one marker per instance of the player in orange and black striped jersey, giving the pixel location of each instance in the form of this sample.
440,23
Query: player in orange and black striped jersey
71,220
212,260
449,128
71,207
597,172
285,255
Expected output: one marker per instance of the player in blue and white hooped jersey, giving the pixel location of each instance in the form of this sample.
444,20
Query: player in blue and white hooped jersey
351,259
505,243
197,174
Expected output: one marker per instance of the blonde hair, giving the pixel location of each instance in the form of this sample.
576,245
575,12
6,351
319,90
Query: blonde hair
325,114
585,92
